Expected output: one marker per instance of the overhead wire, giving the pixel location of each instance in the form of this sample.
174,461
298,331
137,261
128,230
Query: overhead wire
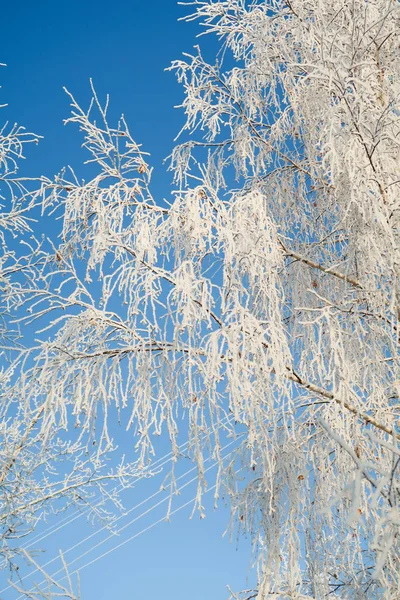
159,463
151,508
132,537
113,534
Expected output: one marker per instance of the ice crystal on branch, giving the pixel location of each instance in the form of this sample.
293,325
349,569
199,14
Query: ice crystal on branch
263,302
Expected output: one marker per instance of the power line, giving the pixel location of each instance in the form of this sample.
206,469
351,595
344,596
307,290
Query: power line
129,522
162,461
149,509
132,537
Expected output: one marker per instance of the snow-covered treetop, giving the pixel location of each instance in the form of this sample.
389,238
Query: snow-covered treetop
265,296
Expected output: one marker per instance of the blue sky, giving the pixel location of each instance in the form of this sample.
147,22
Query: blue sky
124,47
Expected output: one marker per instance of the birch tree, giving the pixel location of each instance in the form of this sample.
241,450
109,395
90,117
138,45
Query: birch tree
44,467
264,295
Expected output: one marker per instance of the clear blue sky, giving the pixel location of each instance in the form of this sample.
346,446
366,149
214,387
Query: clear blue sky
124,47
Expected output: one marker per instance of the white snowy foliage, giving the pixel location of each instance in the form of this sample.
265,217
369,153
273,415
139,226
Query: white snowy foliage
265,296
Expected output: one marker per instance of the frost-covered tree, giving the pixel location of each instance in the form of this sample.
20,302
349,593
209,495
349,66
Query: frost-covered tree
264,296
43,467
